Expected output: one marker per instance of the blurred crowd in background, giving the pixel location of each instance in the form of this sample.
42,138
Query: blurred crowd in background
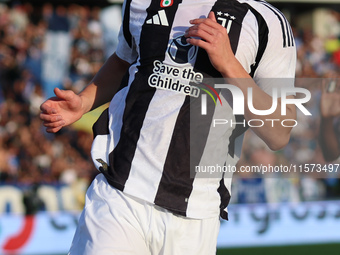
29,155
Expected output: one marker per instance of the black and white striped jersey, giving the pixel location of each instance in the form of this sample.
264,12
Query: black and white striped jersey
144,141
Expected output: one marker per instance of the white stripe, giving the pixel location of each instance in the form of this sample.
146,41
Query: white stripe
100,148
137,18
153,144
248,42
156,20
205,184
204,104
280,16
116,111
162,16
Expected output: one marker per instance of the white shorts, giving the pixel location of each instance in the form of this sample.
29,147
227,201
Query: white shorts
115,223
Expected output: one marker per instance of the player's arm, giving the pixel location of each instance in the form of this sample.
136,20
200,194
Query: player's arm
328,140
215,39
105,83
68,107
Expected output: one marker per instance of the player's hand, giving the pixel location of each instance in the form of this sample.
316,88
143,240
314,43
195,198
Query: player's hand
61,110
330,103
208,34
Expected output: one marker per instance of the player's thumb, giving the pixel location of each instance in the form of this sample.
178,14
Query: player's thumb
212,16
64,94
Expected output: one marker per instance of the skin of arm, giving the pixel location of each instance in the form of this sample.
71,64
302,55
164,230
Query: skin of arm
212,37
67,107
330,109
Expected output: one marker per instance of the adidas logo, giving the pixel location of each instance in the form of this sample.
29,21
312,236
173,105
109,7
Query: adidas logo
159,19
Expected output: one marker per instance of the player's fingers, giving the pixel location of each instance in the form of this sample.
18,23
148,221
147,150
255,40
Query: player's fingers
53,130
201,20
47,109
212,16
207,30
64,94
201,31
50,118
198,42
210,21
57,124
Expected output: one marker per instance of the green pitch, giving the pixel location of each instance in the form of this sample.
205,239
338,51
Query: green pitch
329,249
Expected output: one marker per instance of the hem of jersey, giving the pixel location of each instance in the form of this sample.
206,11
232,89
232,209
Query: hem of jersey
175,211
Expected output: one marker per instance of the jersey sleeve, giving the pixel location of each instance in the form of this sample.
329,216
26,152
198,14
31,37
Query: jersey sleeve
126,48
276,67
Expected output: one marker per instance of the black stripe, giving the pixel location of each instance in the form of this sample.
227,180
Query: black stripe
185,152
290,43
153,44
282,19
155,38
125,81
287,37
126,23
238,131
291,34
101,126
281,16
282,27
239,11
175,185
262,38
191,128
225,198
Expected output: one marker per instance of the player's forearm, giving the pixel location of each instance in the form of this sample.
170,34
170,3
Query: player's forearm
105,84
273,132
275,135
328,140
